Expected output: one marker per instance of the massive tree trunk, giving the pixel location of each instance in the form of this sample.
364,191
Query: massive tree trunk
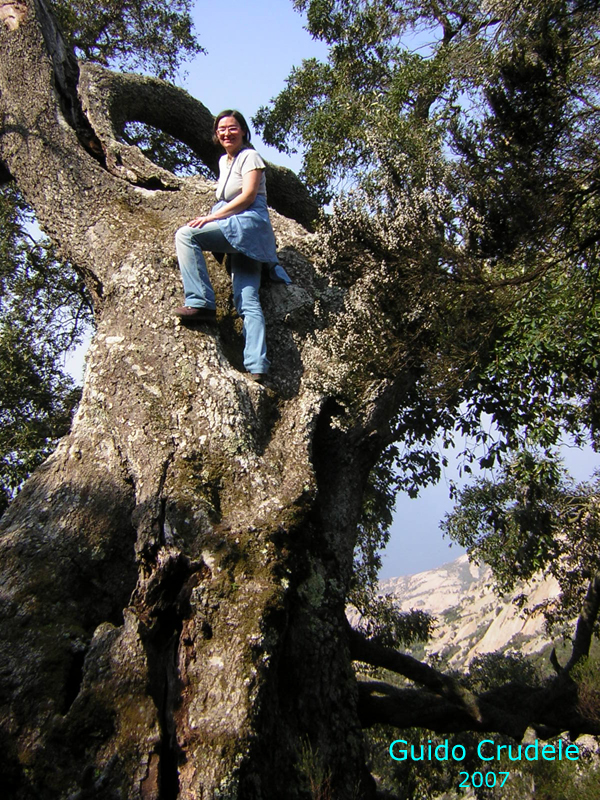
174,576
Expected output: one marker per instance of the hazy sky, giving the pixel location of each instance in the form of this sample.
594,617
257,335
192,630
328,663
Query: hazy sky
252,48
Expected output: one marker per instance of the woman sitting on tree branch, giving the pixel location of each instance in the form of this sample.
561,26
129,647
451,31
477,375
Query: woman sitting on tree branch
239,225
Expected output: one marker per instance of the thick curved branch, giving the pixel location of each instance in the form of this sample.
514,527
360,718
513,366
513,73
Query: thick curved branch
380,703
361,649
447,706
111,99
585,623
510,710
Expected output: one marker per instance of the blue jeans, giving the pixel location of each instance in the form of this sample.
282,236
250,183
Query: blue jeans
245,274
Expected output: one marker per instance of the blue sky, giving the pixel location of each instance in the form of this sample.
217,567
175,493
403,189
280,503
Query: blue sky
251,49
416,542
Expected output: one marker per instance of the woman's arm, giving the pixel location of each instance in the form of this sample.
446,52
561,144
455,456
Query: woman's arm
250,184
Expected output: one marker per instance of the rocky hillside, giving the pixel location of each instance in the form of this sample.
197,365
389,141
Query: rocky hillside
471,618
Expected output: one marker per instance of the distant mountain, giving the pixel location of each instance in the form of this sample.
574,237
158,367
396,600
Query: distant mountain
471,617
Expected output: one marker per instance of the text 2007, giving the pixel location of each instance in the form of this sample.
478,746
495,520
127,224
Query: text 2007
478,779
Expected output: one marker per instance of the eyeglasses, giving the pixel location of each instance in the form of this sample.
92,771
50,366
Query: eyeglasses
223,131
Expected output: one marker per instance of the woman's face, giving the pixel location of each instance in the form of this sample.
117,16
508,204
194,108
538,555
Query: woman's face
230,134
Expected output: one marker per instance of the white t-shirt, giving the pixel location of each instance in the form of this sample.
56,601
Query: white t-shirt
231,173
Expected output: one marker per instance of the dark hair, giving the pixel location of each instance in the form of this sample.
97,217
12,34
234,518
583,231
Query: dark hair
239,118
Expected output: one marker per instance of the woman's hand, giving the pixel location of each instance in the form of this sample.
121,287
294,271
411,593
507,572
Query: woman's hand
250,184
242,201
200,221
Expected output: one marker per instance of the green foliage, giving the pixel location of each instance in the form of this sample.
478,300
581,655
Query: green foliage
142,35
459,142
408,780
491,670
532,518
560,780
426,780
36,407
541,377
43,310
337,111
316,774
430,779
511,522
460,145
466,137
586,675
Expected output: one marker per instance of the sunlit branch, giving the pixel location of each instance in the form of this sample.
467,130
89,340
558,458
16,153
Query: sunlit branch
111,100
362,649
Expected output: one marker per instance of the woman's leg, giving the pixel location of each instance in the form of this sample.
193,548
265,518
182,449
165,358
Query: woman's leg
190,242
245,274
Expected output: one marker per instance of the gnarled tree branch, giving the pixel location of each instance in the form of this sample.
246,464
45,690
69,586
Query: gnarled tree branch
405,708
110,100
585,623
362,649
510,709
447,706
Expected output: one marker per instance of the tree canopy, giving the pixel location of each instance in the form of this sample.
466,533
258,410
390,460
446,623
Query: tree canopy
459,144
142,35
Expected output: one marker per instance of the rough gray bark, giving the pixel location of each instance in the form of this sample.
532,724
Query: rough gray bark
173,578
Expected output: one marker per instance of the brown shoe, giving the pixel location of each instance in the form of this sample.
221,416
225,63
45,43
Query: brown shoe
190,314
258,377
